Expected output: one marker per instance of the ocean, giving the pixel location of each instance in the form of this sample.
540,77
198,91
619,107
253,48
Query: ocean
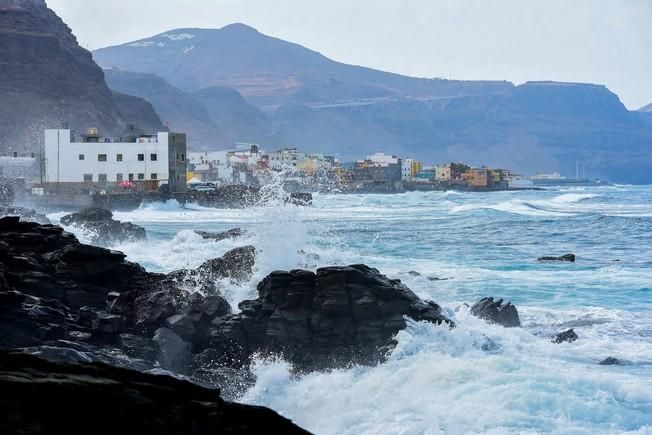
455,248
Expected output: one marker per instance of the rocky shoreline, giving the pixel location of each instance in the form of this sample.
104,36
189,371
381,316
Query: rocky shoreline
66,302
80,304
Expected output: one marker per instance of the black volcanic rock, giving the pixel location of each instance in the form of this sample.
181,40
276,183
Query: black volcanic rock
495,312
47,79
56,291
610,361
41,396
332,318
568,336
221,235
102,228
566,257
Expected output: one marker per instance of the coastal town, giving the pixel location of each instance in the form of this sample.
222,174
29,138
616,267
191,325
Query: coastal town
73,166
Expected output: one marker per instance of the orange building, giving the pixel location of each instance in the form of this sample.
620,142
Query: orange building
477,177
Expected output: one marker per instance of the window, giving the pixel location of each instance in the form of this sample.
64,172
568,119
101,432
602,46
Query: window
88,178
118,177
81,157
183,157
131,177
101,178
154,176
141,176
153,157
101,157
118,157
141,157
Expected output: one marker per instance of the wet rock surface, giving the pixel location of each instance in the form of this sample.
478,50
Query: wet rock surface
495,312
78,302
566,257
220,235
568,336
43,396
331,318
102,228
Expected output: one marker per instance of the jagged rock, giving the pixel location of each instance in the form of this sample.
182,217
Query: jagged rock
610,361
331,318
102,228
565,257
495,312
236,264
414,273
217,236
568,336
41,396
55,289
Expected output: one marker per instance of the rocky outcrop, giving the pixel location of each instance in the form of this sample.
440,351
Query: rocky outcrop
102,228
495,312
221,235
86,303
565,257
332,318
42,396
565,336
79,303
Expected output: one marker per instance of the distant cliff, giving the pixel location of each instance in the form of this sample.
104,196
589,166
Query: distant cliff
48,79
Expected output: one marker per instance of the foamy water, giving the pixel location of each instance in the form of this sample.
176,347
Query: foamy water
477,244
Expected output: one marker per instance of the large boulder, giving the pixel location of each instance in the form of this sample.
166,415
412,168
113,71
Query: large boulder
332,318
42,396
102,228
495,312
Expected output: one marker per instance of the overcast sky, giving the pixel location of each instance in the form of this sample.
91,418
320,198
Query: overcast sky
598,41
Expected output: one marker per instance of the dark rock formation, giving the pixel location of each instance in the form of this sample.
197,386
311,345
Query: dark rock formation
41,396
103,228
217,236
565,257
86,303
48,79
568,336
495,312
25,214
610,361
331,318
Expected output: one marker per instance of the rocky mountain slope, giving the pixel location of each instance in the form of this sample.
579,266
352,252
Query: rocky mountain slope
213,116
48,79
269,71
317,104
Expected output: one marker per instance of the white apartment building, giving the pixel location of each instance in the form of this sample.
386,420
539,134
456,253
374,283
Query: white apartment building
407,166
286,157
382,159
92,159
